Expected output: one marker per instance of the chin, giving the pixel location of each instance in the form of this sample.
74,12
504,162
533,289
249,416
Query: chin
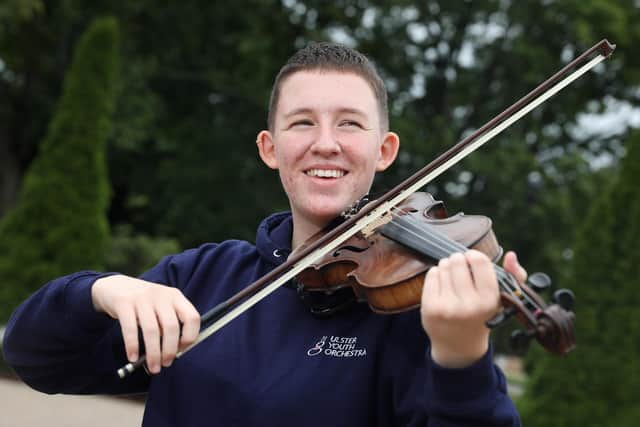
324,214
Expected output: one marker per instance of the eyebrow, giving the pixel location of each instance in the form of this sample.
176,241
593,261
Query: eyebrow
306,110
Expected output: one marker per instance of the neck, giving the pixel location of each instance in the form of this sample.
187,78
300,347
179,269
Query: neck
306,226
303,229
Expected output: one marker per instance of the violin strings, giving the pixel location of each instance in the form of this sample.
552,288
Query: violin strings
441,246
448,246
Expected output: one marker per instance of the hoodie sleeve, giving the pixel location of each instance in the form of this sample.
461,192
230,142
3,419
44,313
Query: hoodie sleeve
472,396
422,393
57,343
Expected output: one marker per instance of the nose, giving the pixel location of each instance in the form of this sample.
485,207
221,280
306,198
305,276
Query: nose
326,142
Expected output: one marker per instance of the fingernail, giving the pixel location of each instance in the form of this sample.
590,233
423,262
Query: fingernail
133,357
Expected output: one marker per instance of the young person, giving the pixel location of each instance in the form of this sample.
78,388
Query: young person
277,364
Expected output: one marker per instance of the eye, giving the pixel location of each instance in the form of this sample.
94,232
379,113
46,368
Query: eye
301,123
351,124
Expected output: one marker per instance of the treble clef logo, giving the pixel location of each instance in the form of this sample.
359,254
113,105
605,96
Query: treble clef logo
317,349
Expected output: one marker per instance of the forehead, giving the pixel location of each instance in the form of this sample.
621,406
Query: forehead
326,90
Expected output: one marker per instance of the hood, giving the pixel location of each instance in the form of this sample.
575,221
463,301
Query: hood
273,238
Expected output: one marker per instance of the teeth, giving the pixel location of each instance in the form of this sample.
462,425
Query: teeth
325,173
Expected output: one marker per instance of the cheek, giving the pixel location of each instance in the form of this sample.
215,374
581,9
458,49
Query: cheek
371,162
288,180
287,151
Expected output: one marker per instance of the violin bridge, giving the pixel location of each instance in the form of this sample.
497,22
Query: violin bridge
375,224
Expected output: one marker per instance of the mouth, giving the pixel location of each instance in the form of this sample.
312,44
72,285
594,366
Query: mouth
326,173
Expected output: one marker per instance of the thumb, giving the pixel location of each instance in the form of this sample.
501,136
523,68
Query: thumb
512,265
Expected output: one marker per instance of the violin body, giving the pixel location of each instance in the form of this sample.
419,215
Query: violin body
388,275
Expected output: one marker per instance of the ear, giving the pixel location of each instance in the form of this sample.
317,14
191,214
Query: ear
267,149
388,151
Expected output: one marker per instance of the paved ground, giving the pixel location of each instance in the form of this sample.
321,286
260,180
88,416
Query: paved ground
20,406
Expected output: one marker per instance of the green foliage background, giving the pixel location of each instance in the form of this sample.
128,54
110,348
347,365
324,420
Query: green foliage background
603,371
59,224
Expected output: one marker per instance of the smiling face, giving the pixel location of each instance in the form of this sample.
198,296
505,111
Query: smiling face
327,143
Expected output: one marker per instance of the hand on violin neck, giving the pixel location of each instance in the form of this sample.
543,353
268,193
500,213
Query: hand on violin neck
458,297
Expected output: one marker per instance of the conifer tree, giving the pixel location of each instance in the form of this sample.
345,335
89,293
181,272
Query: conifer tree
59,224
598,383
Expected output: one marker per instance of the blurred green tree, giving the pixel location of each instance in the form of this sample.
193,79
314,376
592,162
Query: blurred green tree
598,383
132,253
59,224
30,80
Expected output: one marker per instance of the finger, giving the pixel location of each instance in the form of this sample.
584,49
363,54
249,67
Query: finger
448,289
431,288
461,275
430,296
170,332
151,334
511,264
190,319
484,275
129,326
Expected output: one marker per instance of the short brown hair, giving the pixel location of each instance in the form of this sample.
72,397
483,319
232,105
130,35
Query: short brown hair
331,57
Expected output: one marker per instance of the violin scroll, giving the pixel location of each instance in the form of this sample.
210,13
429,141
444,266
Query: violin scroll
552,325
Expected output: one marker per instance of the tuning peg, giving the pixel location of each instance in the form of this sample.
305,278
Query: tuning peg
539,282
520,340
564,298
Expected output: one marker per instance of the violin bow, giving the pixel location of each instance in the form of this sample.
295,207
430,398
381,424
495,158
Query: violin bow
358,218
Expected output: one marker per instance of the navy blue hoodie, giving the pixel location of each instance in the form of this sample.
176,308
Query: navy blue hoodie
274,365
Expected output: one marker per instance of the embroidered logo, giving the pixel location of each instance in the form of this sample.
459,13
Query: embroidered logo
337,347
317,349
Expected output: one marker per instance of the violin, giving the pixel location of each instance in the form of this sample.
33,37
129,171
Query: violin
386,268
394,216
